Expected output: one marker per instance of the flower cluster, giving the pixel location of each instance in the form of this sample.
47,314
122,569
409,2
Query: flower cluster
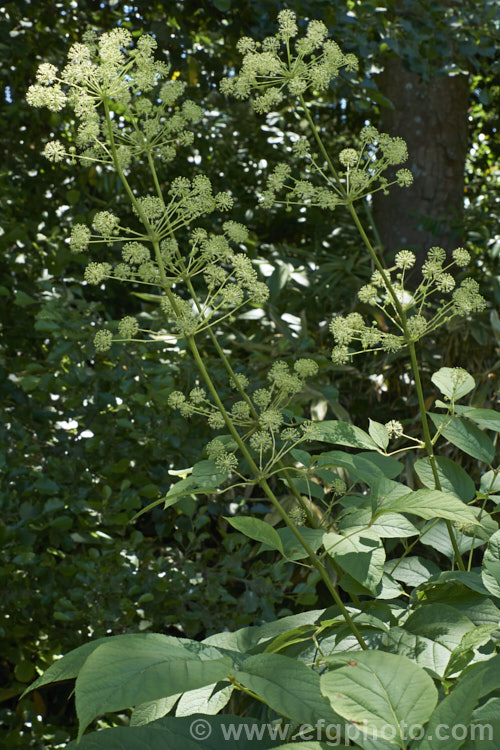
363,168
107,72
409,314
361,173
259,415
280,66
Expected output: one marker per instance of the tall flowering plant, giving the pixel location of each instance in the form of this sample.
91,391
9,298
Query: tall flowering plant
346,503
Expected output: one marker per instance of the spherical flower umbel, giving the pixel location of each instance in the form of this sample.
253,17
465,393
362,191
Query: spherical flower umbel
306,368
105,223
46,74
368,294
394,428
461,256
135,252
80,238
349,157
405,259
54,151
103,340
340,355
97,272
176,399
404,178
287,21
128,327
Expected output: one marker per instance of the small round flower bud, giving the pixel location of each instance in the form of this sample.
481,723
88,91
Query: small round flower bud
261,441
239,381
287,24
226,462
404,177
46,74
215,448
261,397
290,435
272,419
197,395
337,486
135,252
445,282
368,294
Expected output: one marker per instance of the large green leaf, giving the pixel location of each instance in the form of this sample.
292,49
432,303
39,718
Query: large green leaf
490,573
485,726
287,686
197,732
120,675
146,713
360,554
365,467
430,504
378,690
453,382
456,709
444,628
68,667
205,700
432,656
342,433
292,549
256,529
207,475
412,571
388,526
378,433
463,654
488,418
452,477
438,537
466,436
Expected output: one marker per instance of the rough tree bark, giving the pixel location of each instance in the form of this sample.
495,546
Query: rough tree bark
432,118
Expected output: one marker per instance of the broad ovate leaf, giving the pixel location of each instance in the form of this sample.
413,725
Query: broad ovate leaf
453,382
377,690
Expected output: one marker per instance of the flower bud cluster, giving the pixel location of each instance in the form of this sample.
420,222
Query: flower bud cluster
361,173
421,313
106,71
282,64
258,415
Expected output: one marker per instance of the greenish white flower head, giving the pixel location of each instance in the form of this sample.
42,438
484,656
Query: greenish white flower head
280,66
422,312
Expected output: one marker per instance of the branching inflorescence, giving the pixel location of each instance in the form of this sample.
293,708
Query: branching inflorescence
129,112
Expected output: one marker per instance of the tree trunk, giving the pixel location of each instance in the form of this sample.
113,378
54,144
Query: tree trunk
431,116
